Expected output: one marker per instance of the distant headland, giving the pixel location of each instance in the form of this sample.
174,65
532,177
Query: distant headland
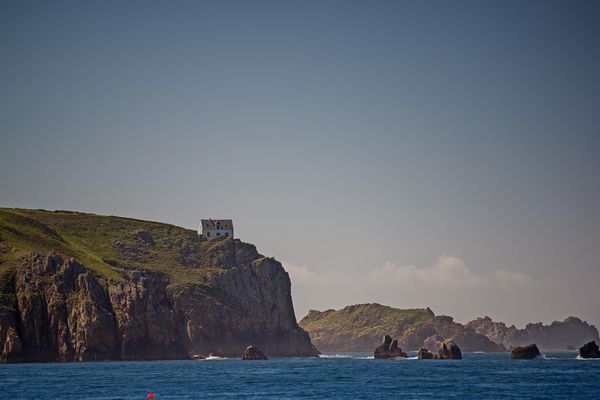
360,328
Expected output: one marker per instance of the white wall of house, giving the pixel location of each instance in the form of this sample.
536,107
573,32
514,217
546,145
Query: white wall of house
213,233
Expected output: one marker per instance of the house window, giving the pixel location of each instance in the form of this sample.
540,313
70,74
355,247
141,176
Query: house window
227,234
207,234
218,233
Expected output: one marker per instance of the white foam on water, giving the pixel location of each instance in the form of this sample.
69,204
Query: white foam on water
335,356
551,358
587,359
213,358
349,356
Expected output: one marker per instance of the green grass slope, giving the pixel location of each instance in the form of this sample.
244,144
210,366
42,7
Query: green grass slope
106,244
362,321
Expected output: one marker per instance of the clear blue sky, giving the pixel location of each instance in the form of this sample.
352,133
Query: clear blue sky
415,153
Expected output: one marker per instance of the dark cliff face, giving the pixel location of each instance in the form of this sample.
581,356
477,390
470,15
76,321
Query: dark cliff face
61,311
556,336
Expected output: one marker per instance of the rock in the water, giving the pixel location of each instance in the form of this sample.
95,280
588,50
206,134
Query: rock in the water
433,343
589,350
449,351
424,354
389,349
253,353
525,353
12,347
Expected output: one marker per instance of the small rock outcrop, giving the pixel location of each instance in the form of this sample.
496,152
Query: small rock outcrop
433,343
389,349
424,354
525,353
449,351
253,353
589,350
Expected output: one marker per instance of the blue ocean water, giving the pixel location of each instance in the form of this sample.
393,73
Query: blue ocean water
342,376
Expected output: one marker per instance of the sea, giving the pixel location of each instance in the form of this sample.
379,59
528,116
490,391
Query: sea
555,375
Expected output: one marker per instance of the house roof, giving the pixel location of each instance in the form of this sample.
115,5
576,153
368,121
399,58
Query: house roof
212,223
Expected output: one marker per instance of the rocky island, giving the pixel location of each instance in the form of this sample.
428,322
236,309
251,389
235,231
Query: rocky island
77,287
253,353
449,351
389,349
558,335
528,352
360,327
589,350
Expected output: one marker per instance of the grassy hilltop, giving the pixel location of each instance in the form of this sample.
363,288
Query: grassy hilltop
364,320
360,327
107,245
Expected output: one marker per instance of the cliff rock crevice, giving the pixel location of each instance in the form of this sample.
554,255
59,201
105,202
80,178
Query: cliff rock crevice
55,309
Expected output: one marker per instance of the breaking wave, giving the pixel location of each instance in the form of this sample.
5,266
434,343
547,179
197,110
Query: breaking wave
587,359
212,358
551,358
349,356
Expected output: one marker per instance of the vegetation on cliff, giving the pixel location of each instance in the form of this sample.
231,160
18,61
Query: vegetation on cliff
360,328
107,245
77,286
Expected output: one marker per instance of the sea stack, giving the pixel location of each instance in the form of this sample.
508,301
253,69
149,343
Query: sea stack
525,353
449,351
424,354
589,350
389,349
253,353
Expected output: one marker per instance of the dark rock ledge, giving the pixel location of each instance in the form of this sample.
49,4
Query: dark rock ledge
253,353
589,350
389,349
525,353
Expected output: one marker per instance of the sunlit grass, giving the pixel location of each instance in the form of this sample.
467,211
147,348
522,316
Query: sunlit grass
90,239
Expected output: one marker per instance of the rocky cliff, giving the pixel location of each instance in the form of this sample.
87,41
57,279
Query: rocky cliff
360,327
77,287
557,336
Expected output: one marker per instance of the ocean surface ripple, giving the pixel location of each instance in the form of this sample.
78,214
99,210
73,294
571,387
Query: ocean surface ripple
555,375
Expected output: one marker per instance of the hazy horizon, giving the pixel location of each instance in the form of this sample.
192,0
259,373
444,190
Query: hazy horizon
410,153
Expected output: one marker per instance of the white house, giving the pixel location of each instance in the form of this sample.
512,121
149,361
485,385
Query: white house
212,228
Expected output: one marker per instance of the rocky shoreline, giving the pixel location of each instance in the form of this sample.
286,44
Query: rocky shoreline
448,350
55,309
360,327
82,287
